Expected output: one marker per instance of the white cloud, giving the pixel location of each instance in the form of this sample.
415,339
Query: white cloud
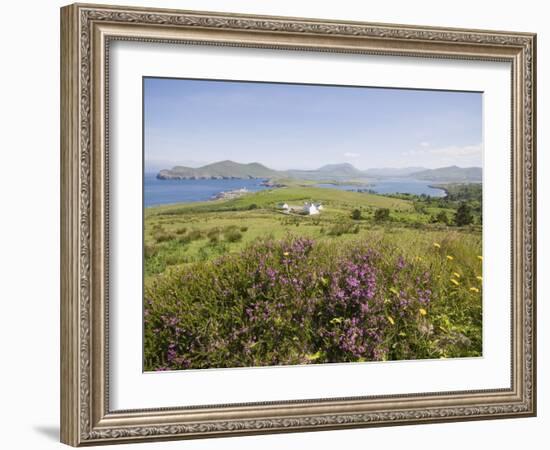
352,155
424,144
466,150
467,155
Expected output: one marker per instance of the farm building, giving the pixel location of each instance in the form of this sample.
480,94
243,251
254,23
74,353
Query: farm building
312,208
309,208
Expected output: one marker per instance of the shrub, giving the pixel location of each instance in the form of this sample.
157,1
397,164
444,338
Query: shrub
252,206
163,236
419,208
342,228
463,215
243,229
161,256
185,239
149,250
195,235
182,230
356,214
213,233
442,218
232,235
382,214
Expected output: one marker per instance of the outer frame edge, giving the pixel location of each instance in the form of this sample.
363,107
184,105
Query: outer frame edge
70,251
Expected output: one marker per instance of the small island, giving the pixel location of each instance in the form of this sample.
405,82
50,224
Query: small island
222,170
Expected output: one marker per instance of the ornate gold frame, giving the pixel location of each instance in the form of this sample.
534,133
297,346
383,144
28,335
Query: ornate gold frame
86,31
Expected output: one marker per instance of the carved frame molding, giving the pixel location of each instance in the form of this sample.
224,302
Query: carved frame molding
86,32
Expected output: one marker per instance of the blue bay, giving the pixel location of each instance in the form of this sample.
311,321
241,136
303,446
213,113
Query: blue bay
164,192
393,186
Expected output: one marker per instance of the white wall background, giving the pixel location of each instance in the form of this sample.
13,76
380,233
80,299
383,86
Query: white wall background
29,224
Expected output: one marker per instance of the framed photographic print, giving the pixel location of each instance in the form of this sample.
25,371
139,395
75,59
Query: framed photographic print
276,224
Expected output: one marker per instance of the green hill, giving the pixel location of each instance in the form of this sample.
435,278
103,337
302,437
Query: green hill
219,170
341,170
451,174
334,199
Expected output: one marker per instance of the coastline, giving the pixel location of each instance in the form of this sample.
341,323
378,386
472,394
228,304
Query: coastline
234,192
441,187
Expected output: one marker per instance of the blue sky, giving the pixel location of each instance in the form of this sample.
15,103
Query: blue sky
289,126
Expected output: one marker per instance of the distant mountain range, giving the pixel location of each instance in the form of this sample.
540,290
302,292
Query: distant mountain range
390,172
330,171
452,173
338,172
345,170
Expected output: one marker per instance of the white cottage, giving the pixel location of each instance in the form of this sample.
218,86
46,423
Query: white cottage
311,209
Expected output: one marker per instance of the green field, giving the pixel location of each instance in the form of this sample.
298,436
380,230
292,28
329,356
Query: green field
186,233
194,241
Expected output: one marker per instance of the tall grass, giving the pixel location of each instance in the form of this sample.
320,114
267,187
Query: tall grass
300,301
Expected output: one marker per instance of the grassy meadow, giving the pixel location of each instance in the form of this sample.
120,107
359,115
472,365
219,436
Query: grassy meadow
239,282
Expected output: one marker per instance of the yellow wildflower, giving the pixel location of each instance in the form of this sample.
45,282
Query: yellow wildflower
392,289
390,319
286,253
474,289
480,257
418,258
456,274
423,311
479,278
456,283
436,245
450,258
314,356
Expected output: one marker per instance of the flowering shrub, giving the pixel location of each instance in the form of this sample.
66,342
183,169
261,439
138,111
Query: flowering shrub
297,301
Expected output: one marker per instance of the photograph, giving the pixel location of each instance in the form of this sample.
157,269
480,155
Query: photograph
292,224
